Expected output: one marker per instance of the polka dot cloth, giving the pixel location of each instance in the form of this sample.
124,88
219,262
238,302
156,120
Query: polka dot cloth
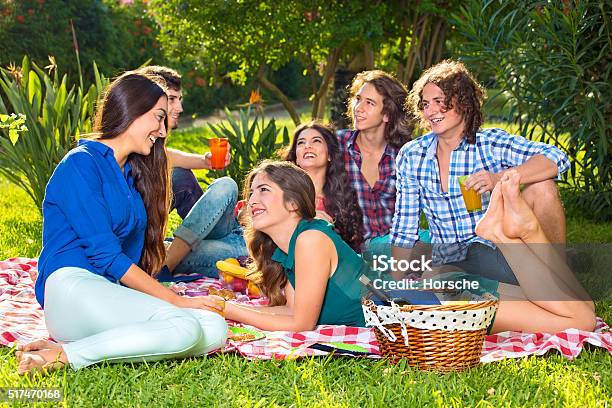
475,319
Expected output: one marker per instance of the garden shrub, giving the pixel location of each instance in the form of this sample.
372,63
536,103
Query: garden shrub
553,59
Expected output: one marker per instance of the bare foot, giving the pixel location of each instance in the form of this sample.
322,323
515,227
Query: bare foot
43,361
490,225
519,221
39,345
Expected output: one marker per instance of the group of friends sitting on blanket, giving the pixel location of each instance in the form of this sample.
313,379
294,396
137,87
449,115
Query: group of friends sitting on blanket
310,220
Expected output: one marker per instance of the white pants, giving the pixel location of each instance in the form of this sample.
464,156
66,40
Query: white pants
102,321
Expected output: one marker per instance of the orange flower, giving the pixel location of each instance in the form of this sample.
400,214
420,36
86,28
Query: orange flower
255,97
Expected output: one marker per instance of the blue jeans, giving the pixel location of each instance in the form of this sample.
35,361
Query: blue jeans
211,230
186,191
378,246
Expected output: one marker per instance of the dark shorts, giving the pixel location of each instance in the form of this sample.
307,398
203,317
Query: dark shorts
487,262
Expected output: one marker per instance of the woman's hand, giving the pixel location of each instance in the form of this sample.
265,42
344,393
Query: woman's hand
213,303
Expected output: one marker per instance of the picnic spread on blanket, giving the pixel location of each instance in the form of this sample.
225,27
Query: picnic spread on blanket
22,320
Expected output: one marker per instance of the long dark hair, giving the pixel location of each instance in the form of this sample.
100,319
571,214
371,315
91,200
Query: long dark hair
461,91
400,126
297,188
128,97
340,197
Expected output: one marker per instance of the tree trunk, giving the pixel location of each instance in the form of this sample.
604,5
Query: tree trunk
368,54
401,67
433,42
441,43
320,97
417,42
413,39
265,82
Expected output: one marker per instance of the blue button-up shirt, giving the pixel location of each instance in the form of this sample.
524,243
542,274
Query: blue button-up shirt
93,216
419,188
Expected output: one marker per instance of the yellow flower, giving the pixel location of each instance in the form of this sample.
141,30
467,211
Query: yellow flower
15,72
52,64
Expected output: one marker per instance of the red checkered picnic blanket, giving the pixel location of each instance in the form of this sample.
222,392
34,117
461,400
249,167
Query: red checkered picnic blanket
22,320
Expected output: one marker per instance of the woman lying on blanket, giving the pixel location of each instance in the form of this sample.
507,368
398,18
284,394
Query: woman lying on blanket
211,232
104,212
548,298
310,274
315,149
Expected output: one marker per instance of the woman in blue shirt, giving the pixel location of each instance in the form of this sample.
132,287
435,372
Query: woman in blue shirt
104,214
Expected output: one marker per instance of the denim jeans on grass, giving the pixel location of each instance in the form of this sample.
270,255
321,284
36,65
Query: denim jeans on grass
186,191
211,229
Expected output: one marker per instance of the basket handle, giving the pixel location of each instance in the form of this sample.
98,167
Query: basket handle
372,318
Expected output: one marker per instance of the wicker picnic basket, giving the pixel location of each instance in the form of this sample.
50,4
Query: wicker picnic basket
455,346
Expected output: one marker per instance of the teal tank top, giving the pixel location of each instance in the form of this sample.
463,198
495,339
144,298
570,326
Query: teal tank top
342,301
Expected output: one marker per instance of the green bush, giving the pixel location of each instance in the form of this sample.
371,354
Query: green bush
553,59
54,115
252,140
117,37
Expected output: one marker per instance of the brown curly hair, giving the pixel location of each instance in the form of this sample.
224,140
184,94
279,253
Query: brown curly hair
340,197
297,187
400,126
461,91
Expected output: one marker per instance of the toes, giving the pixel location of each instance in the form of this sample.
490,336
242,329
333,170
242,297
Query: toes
25,365
19,355
38,345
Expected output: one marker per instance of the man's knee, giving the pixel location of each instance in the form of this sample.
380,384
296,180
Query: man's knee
224,187
541,192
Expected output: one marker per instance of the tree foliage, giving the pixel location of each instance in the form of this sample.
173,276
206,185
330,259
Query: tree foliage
249,38
553,58
117,37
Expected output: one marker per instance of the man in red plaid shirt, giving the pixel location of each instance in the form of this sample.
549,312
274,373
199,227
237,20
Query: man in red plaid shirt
381,127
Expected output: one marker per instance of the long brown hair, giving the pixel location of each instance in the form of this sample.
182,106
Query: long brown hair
128,97
399,128
461,91
297,188
340,197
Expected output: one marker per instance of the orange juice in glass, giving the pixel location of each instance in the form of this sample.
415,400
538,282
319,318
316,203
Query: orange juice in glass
218,149
470,197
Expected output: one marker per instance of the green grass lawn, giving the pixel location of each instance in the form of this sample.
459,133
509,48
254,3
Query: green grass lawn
229,380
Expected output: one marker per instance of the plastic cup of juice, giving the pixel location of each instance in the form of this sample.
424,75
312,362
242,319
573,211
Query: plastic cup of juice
218,149
470,197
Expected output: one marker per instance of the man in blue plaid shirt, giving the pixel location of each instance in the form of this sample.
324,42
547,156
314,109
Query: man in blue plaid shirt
448,100
381,127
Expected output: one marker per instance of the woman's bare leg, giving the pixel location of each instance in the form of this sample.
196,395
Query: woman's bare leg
519,219
175,253
509,222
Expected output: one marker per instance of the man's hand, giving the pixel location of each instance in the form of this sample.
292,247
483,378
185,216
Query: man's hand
208,159
482,181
